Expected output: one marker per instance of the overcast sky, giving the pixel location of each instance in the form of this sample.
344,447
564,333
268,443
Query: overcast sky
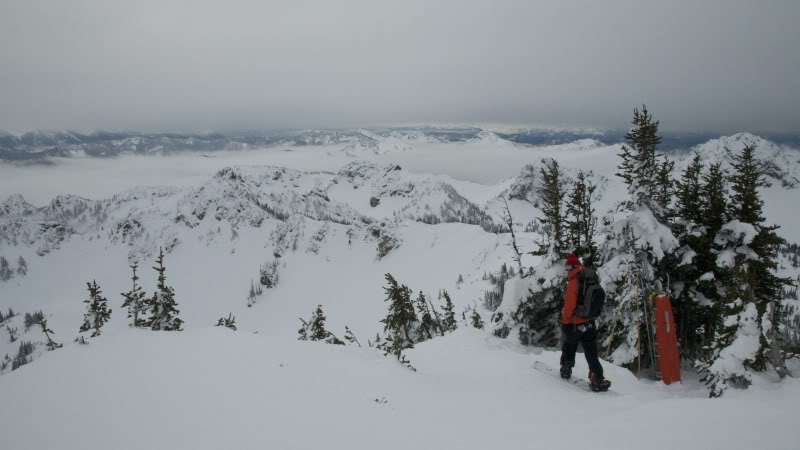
721,65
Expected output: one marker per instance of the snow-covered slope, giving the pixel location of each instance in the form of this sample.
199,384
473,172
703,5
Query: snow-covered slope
215,388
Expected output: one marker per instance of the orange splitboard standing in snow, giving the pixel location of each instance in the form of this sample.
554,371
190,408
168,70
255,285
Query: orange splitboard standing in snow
669,360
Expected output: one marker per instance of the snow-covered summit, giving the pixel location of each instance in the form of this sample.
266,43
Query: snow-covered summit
781,163
15,205
488,137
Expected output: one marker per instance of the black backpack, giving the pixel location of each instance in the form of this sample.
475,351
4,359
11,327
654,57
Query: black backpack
591,295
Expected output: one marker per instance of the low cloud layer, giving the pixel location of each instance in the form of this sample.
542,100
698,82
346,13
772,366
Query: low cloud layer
163,65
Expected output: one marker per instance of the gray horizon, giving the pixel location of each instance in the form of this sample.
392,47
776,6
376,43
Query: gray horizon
711,66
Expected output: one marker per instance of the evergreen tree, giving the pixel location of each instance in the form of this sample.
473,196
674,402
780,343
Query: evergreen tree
162,305
401,318
580,220
51,344
477,321
427,325
695,258
664,185
552,195
639,168
399,323
251,297
22,267
714,278
689,193
135,300
5,270
449,322
97,312
314,329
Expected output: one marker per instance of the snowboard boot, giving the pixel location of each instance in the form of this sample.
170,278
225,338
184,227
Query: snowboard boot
598,384
566,372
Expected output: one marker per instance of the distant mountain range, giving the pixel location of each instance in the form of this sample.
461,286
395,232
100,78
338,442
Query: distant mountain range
41,145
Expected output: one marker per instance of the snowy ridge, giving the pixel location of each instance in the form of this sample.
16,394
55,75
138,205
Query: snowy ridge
366,142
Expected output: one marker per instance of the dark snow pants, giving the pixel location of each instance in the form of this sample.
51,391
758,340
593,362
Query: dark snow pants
586,334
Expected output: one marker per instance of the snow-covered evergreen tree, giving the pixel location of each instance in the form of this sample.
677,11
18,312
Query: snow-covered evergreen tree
162,305
97,312
135,301
747,339
400,321
638,245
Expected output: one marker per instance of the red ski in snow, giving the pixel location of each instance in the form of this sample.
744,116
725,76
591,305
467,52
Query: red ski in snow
669,360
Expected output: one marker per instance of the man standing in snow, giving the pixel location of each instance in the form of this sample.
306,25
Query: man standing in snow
577,329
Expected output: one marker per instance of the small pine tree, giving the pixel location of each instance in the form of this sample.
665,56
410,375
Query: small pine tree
580,220
460,279
314,329
135,301
427,326
664,187
51,344
22,267
97,312
230,322
162,305
477,321
5,270
350,337
449,322
317,325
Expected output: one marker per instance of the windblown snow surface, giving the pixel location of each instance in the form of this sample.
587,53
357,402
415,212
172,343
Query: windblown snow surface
334,223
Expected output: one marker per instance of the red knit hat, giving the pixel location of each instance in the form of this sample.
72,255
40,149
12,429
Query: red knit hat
572,260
